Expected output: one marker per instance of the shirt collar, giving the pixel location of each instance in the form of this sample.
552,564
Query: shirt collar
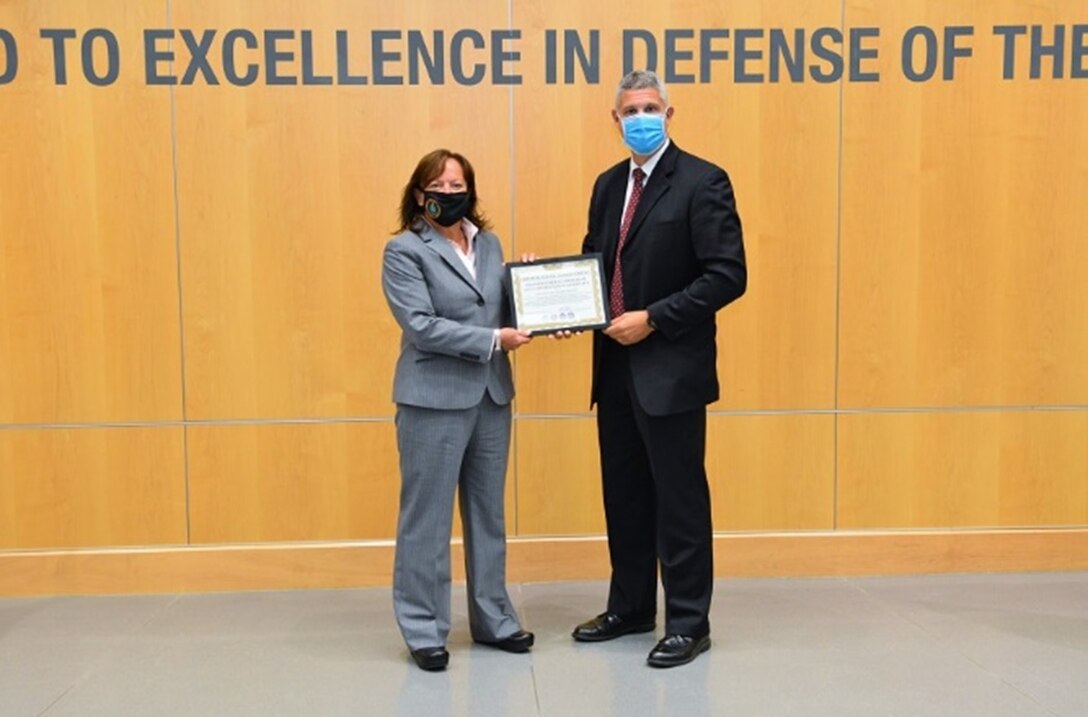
470,230
649,164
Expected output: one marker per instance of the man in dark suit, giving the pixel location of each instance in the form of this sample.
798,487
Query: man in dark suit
668,228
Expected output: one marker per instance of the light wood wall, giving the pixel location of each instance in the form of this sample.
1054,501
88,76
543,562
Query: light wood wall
194,348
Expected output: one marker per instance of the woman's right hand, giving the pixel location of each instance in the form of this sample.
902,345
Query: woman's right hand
511,339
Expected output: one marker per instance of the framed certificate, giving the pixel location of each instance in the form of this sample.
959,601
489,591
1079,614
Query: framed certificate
559,294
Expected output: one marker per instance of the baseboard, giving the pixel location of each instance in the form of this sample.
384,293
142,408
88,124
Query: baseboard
344,565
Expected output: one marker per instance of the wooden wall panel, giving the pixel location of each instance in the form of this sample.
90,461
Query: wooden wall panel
88,284
553,376
963,210
779,144
558,477
755,484
945,470
910,245
91,488
287,196
304,481
772,472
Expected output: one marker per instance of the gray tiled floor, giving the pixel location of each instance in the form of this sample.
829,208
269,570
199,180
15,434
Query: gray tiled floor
940,645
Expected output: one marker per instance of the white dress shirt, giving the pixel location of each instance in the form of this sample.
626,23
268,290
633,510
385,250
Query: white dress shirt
647,167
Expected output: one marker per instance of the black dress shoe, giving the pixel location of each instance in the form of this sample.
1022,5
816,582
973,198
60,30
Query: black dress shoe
608,626
676,650
520,641
431,659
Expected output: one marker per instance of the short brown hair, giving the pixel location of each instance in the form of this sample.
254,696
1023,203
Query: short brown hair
432,165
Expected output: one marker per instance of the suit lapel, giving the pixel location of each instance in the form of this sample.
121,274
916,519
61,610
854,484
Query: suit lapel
483,261
616,190
656,187
441,246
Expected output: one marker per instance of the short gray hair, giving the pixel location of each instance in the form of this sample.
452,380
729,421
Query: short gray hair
642,80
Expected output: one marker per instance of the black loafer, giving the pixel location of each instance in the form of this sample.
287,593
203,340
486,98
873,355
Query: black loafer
431,659
676,650
608,626
520,641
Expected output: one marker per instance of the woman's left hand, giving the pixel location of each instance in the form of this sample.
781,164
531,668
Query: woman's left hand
512,339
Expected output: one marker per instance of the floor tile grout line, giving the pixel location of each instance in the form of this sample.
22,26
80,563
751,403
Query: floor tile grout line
104,657
59,698
938,639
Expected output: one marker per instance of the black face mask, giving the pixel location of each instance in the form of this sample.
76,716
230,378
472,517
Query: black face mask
445,209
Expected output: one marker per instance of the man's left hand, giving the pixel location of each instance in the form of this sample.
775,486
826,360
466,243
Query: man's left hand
630,327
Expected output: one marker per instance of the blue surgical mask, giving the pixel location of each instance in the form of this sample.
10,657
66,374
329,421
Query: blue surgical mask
644,133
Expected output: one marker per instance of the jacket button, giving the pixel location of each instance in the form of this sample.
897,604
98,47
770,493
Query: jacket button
479,302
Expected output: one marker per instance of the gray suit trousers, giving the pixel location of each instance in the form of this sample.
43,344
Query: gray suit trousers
441,451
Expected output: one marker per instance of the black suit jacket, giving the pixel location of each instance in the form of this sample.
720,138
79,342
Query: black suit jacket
683,261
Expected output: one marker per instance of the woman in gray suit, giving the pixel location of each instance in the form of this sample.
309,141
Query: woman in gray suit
442,275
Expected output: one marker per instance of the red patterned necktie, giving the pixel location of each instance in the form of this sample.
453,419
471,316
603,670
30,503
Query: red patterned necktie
615,292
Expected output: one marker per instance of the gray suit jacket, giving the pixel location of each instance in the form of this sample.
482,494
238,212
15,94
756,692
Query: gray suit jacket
448,320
